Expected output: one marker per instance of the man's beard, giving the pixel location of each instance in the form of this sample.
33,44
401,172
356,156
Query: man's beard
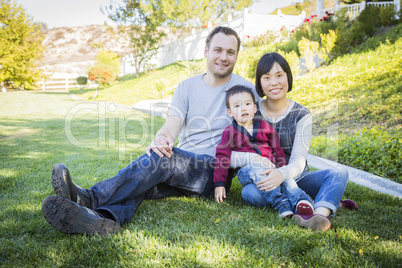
225,74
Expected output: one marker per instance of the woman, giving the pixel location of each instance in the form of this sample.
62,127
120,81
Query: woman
293,123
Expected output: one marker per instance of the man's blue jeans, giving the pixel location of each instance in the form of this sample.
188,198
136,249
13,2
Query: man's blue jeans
283,198
153,177
325,186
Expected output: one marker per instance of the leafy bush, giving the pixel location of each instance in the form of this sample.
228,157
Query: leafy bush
311,29
308,50
288,46
373,42
353,33
248,59
110,60
101,75
82,80
261,40
327,44
387,16
373,150
293,59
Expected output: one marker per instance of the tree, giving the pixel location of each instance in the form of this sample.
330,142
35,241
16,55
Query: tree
110,60
188,14
106,68
20,47
140,27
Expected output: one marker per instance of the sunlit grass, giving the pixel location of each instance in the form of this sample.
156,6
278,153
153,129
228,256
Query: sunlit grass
176,232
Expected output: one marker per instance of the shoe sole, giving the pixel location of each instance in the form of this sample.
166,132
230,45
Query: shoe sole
70,218
316,223
304,208
60,186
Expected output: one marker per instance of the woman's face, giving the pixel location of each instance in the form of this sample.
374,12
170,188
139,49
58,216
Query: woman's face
275,83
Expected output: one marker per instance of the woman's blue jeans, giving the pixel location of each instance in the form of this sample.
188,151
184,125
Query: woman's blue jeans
283,198
325,186
152,177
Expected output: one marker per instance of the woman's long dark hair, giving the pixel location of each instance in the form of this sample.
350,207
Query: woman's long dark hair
264,66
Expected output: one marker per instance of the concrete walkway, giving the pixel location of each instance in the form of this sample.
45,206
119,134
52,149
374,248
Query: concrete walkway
358,176
154,107
160,108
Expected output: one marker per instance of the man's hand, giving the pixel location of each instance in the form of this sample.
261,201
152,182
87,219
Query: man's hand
161,145
273,180
220,193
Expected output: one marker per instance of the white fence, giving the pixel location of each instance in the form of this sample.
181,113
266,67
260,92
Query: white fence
192,46
355,9
62,83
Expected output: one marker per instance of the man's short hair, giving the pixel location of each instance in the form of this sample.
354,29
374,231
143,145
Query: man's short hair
225,30
237,90
264,66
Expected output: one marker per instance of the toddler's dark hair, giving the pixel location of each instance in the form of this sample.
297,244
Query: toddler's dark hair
236,90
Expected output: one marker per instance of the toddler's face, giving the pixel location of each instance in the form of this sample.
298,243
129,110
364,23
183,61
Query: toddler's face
242,108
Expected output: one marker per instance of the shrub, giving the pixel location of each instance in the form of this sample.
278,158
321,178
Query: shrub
373,150
293,59
327,44
248,59
353,33
387,16
261,40
311,29
82,80
288,46
308,50
110,60
373,42
101,75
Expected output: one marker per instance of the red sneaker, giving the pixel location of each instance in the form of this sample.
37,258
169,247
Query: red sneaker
349,204
304,207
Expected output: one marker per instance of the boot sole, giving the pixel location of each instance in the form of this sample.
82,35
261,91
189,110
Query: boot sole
70,218
316,223
59,172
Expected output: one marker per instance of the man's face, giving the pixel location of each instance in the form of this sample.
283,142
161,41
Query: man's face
221,55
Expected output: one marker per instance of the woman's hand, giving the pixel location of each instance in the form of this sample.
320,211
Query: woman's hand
273,180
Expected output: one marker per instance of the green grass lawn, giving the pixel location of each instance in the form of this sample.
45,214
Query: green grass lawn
95,140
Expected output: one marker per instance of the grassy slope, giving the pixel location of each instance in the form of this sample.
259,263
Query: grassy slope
359,89
178,232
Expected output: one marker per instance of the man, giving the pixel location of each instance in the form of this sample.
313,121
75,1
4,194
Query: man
197,115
